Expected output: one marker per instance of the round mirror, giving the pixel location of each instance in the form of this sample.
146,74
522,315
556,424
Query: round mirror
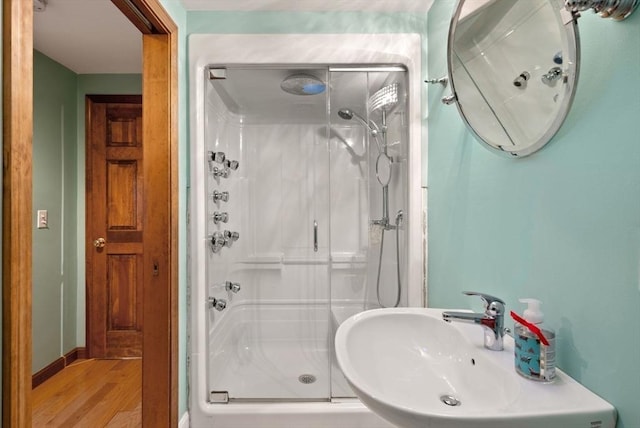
383,169
513,67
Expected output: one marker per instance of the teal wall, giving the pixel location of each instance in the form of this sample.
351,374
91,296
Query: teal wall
562,225
87,84
54,178
304,22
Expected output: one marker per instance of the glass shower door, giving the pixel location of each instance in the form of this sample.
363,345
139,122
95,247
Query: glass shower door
272,340
305,263
367,125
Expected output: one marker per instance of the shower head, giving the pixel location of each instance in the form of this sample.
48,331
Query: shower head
345,113
303,84
348,114
384,98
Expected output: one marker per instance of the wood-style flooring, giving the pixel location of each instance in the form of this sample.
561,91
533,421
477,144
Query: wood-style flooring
91,393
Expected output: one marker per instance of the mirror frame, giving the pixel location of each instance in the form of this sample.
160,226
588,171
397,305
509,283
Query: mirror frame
569,21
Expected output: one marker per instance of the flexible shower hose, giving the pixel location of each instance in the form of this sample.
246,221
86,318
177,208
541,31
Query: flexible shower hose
399,288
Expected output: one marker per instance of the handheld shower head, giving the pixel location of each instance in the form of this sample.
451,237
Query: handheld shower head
385,98
348,114
345,113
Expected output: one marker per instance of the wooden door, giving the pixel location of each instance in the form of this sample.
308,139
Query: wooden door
114,208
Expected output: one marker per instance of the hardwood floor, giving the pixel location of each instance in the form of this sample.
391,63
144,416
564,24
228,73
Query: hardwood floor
91,393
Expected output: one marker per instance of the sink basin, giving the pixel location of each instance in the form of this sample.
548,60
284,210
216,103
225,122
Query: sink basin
415,370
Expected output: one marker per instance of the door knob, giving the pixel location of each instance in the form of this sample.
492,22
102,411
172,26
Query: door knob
99,243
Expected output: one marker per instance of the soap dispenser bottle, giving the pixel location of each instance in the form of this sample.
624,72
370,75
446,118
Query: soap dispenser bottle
535,344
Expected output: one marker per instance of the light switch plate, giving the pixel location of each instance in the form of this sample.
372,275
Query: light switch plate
43,219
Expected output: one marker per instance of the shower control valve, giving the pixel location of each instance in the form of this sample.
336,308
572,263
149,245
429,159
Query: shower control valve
218,304
217,157
234,287
217,241
220,217
230,237
231,164
220,196
221,172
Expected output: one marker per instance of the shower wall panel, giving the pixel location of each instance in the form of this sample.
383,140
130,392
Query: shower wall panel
349,215
281,168
272,201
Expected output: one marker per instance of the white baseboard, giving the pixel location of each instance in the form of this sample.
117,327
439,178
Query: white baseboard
184,421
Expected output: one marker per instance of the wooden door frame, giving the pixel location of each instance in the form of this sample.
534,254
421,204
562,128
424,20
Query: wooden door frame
160,127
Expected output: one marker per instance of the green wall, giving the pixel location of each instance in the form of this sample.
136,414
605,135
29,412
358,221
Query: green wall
54,178
562,225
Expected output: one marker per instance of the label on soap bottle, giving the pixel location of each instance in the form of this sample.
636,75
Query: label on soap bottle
533,359
527,355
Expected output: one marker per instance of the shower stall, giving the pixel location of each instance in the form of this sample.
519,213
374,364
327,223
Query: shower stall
302,215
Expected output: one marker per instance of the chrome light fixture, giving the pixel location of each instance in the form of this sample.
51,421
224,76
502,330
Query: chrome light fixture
616,9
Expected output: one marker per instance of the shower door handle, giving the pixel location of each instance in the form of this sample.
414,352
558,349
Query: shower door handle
315,236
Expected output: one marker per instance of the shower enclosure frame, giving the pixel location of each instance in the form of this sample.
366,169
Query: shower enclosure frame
267,50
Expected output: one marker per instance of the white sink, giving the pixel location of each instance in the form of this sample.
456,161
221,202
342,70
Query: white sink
404,362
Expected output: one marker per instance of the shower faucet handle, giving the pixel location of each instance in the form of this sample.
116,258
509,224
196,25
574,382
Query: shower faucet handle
217,157
234,287
218,304
230,237
221,172
217,241
234,236
231,164
220,196
220,217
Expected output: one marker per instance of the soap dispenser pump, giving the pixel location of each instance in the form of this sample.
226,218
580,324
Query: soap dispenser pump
535,345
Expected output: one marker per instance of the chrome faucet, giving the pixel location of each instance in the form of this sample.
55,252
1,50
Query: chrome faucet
492,320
